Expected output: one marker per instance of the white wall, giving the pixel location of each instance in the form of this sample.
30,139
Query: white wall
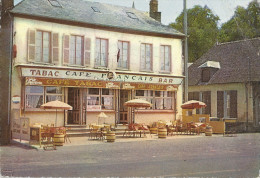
22,25
241,98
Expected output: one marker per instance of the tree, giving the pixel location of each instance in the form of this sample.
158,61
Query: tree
202,30
243,25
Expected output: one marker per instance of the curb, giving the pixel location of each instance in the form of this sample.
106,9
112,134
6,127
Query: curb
24,144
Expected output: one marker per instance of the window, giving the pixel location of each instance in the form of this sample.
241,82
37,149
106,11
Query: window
205,75
42,46
146,57
165,58
107,99
101,54
95,9
227,104
204,96
161,100
146,95
76,50
131,15
55,3
53,93
123,61
35,96
103,97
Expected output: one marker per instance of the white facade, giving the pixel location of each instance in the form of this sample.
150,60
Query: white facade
23,25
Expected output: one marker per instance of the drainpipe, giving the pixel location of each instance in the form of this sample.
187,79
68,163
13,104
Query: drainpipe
246,91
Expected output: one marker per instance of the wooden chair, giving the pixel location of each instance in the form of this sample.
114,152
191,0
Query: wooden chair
170,129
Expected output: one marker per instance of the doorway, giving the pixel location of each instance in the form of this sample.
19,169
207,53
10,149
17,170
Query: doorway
76,97
123,110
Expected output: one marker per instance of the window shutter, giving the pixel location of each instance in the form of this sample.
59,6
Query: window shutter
220,104
66,49
87,51
55,48
206,98
233,104
31,45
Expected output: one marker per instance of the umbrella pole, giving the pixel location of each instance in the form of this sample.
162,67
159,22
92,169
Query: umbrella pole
56,119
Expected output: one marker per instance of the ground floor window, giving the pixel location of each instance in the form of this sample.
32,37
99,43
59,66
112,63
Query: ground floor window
204,96
35,96
101,96
227,104
161,100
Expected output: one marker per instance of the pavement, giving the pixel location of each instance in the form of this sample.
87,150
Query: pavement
76,141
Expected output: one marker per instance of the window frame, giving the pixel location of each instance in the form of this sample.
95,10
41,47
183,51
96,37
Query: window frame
205,77
50,46
151,57
100,96
170,59
154,97
44,96
121,54
75,50
107,50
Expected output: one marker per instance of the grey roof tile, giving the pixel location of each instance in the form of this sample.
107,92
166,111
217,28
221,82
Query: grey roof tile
239,61
81,11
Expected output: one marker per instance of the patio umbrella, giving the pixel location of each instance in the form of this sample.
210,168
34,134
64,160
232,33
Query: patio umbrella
193,104
102,115
137,103
56,105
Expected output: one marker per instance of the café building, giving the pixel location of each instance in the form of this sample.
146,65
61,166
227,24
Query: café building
94,57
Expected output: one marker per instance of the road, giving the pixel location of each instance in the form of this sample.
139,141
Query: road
179,156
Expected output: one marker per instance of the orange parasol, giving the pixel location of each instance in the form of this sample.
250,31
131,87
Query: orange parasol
193,104
56,105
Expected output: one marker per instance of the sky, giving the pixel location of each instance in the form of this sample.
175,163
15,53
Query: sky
171,9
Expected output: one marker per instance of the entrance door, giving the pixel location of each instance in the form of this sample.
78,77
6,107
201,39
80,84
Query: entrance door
74,115
123,110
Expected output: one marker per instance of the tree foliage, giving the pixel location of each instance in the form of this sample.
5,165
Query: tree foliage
202,30
245,24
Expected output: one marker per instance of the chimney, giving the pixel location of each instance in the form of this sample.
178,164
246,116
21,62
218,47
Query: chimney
154,10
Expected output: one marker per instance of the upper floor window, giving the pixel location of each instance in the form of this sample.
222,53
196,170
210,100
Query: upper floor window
146,57
101,52
43,46
205,75
123,61
76,50
165,58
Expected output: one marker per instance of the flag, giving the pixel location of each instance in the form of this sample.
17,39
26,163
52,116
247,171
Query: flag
118,55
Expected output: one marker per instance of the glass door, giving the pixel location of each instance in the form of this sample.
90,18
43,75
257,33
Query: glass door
123,110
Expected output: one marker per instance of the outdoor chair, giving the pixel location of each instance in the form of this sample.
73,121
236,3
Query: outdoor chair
143,129
181,128
170,129
130,130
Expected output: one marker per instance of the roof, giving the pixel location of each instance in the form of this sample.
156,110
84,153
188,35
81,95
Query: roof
239,61
82,12
212,64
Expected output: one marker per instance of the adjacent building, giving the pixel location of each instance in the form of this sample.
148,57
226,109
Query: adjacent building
94,57
227,79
